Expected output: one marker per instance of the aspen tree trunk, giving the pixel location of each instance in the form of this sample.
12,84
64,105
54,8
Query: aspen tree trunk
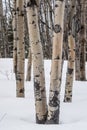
77,44
86,26
70,70
27,46
65,36
82,42
5,31
37,58
29,64
1,18
42,26
71,53
47,31
26,32
20,49
55,80
14,38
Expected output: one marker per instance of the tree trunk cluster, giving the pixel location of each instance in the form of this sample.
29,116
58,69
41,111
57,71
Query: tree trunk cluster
52,29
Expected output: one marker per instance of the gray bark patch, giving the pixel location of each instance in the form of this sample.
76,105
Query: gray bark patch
37,86
70,71
42,121
31,3
57,28
22,90
67,99
55,118
54,101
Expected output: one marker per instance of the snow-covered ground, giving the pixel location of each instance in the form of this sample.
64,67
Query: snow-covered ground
19,113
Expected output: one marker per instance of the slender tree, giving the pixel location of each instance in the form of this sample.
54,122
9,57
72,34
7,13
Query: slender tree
65,36
1,20
55,81
77,36
82,41
37,59
14,23
80,55
71,53
5,30
20,49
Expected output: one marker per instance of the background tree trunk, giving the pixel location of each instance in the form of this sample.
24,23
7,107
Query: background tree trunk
77,44
65,36
71,53
14,22
1,27
20,49
82,41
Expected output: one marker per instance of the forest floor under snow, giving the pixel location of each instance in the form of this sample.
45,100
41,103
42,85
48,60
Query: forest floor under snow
19,113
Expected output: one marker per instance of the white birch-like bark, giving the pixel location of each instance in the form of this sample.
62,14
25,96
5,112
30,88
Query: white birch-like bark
55,80
20,49
37,59
70,69
71,54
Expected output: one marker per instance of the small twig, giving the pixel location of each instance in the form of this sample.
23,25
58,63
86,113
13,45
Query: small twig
45,24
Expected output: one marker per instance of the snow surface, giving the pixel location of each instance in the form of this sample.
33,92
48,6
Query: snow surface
19,113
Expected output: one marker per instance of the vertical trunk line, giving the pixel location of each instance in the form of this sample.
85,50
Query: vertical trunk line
37,59
55,79
71,54
20,50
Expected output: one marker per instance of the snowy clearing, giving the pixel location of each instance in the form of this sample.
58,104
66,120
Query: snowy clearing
19,113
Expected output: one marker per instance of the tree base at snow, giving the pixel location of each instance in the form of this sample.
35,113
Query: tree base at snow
42,121
54,119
